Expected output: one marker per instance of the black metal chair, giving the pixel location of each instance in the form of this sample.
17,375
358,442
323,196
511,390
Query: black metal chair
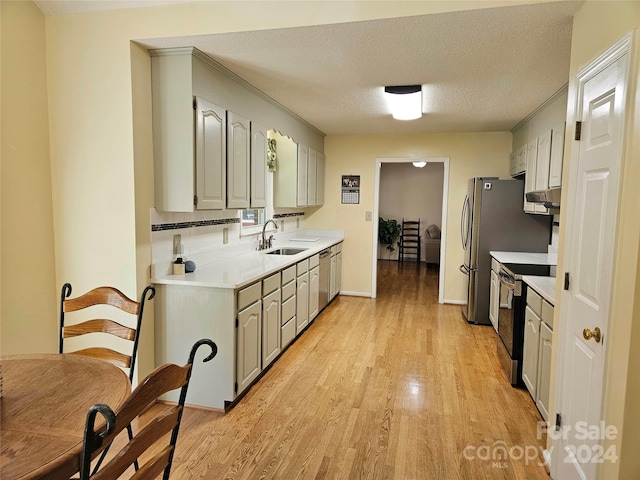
163,379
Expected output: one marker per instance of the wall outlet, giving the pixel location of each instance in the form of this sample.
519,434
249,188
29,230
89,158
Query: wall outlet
368,216
225,236
177,244
282,225
297,223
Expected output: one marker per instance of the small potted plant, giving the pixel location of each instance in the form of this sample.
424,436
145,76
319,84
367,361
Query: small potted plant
388,233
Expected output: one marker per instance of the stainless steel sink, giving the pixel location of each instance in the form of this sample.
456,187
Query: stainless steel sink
286,251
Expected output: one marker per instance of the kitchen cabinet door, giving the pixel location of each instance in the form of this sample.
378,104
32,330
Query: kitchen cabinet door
312,187
521,159
544,370
238,161
338,279
530,351
302,302
557,155
248,353
314,292
303,160
210,155
530,174
320,179
270,327
543,159
258,166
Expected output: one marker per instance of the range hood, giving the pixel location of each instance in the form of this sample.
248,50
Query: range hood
550,198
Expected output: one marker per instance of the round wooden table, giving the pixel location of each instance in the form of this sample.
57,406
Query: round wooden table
45,399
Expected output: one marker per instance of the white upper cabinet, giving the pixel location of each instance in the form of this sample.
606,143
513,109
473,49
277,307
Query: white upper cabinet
320,179
312,187
543,159
258,166
303,168
204,140
210,155
557,154
530,174
540,140
238,161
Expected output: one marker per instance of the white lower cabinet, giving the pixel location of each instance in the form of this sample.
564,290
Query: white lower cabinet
288,315
250,326
538,342
270,319
248,358
530,350
302,296
314,286
544,370
335,271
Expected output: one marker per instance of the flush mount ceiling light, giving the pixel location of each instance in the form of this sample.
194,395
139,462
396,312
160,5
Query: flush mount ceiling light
405,101
419,164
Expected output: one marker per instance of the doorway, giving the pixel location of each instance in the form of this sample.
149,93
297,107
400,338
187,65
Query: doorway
440,221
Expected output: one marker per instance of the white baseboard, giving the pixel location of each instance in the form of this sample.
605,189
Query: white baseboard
355,294
455,302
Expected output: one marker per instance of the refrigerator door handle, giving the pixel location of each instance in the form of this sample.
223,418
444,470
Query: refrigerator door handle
464,222
464,269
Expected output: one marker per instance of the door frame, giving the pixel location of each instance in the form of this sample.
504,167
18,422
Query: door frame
610,56
443,221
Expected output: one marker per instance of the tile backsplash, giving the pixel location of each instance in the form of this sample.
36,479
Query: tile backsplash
202,235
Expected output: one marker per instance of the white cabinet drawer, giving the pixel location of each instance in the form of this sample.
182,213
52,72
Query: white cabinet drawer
288,291
314,261
249,295
302,266
271,284
288,274
288,310
534,301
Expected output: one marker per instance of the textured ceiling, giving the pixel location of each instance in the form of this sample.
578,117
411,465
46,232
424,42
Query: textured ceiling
482,70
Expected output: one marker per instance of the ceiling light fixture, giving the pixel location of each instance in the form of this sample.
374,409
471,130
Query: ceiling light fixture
406,101
419,164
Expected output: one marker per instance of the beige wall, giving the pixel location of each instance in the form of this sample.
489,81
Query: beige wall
471,154
29,292
100,134
596,27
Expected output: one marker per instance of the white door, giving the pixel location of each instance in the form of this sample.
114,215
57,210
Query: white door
589,246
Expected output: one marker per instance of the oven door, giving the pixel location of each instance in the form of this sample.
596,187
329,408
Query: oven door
506,312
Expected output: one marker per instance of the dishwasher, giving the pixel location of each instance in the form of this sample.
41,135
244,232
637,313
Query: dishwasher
325,265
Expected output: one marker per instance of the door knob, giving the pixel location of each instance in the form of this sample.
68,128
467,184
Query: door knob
595,334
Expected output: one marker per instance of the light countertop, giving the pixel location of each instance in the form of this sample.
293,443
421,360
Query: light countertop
525,257
246,268
545,286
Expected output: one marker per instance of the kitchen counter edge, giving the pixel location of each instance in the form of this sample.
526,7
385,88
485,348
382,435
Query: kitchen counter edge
230,273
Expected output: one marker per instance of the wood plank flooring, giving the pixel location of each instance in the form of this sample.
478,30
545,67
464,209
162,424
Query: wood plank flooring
397,387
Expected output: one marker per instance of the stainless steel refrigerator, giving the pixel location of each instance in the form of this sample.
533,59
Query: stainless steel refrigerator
493,219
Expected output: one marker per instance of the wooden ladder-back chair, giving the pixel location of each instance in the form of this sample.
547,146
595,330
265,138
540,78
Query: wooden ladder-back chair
104,296
163,379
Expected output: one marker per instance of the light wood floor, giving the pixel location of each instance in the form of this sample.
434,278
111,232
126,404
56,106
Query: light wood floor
397,387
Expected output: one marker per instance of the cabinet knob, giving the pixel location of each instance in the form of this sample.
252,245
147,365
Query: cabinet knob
595,334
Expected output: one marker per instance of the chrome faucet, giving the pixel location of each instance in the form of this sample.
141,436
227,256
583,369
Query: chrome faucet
265,243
